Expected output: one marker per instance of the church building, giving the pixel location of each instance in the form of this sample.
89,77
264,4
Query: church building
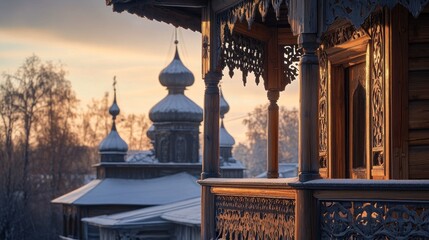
155,183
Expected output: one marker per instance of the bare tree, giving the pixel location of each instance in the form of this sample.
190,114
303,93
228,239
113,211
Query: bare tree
134,129
11,210
254,152
41,156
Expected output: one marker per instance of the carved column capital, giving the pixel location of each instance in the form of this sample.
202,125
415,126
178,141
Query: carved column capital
273,95
213,77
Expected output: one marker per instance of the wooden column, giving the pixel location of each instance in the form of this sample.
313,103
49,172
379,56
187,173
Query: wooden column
211,165
306,223
273,135
212,76
272,85
306,216
308,119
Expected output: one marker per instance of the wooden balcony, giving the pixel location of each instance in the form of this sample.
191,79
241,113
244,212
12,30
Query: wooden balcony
342,209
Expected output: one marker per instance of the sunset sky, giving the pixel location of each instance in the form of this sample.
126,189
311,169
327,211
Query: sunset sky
94,44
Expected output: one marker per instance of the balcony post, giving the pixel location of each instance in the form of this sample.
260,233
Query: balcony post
211,164
212,75
306,208
273,135
308,119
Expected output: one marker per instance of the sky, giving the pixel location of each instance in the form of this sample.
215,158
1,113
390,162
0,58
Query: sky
94,44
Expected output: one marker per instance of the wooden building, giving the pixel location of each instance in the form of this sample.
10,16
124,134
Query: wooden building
363,68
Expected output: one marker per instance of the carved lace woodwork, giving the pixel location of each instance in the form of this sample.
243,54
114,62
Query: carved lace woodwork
239,217
377,90
246,10
358,11
323,110
374,220
248,55
245,54
291,56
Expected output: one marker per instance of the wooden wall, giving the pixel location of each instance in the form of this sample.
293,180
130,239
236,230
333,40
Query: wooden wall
418,96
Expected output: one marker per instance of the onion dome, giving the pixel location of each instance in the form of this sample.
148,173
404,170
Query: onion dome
113,147
223,105
225,139
176,77
176,106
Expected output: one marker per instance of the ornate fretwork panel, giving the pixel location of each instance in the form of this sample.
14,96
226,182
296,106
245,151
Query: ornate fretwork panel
358,11
374,220
254,218
291,57
323,110
377,88
243,53
247,54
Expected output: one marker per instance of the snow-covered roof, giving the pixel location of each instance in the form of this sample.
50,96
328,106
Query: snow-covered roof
286,170
113,144
163,213
176,75
176,107
225,139
145,156
185,216
155,191
232,164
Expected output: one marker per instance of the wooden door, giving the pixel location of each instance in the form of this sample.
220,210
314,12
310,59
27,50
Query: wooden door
355,81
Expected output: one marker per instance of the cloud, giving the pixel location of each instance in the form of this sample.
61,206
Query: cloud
87,21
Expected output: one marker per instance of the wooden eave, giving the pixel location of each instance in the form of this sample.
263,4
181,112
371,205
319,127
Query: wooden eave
179,13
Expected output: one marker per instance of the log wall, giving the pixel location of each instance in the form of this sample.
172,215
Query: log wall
418,96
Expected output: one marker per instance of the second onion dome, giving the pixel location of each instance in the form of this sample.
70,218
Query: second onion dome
176,106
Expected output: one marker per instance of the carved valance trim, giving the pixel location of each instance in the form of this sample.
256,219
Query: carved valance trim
246,10
358,11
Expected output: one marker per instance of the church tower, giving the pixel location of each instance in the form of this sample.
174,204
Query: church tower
176,118
113,148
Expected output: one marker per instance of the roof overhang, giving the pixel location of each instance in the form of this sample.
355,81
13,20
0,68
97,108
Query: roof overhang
180,13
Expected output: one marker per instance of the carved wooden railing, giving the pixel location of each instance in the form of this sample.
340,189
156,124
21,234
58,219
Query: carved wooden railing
253,208
343,209
369,209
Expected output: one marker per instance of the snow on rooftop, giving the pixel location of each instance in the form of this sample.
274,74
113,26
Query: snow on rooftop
176,107
147,157
146,215
141,157
186,216
286,170
112,191
235,164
